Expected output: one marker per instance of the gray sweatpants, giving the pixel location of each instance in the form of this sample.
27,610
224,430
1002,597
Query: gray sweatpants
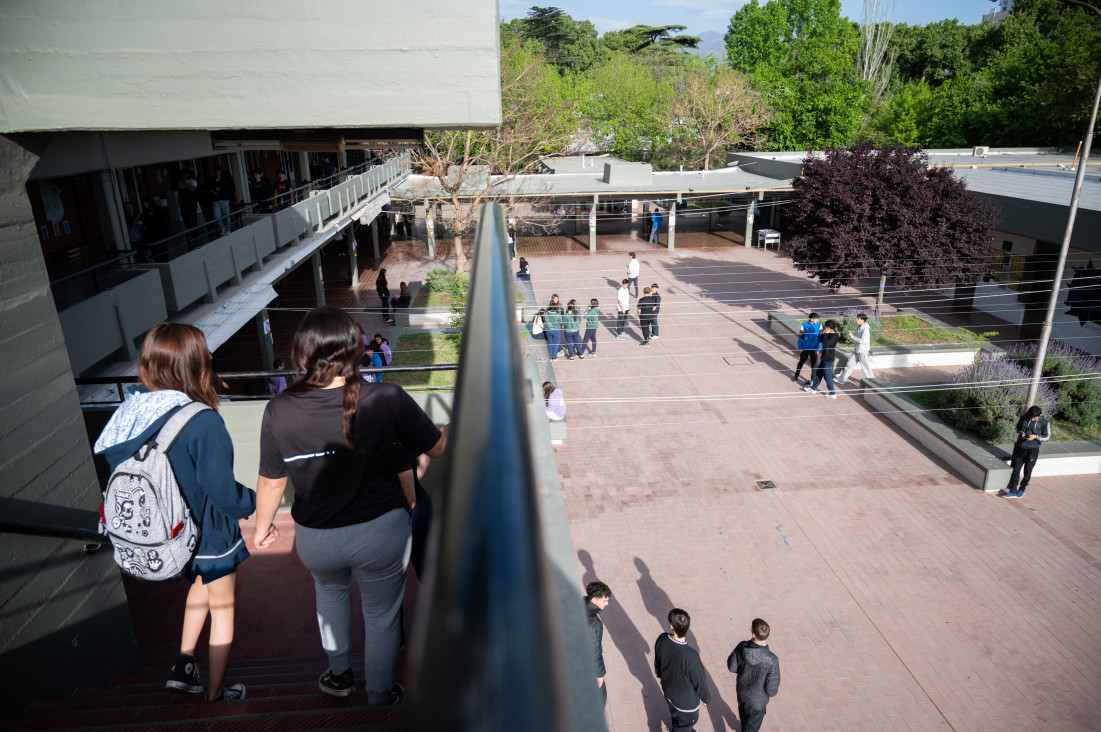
857,358
376,553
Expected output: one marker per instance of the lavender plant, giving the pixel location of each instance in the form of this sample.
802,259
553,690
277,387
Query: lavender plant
988,397
1077,379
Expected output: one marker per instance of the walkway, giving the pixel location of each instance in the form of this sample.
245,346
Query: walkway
899,597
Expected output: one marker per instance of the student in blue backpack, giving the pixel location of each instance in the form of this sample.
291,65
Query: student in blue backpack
808,345
176,368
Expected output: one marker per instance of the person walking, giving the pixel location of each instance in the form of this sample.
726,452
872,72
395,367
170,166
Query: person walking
592,322
645,315
680,671
622,308
597,597
632,272
331,434
571,328
827,340
657,309
861,351
552,324
655,226
176,368
808,345
1033,430
758,672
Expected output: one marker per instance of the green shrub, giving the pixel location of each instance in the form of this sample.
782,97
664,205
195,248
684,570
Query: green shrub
847,321
1077,395
989,397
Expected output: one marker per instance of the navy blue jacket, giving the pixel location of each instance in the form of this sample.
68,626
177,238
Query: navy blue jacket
203,460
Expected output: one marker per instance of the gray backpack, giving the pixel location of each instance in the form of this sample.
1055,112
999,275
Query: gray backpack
144,512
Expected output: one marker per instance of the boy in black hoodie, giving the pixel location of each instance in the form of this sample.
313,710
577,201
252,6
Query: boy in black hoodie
758,672
680,671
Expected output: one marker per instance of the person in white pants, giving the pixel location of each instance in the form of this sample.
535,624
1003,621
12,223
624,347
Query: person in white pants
863,338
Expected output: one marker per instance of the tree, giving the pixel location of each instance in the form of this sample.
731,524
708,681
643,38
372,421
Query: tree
653,39
469,165
859,211
628,104
571,45
715,108
801,55
874,57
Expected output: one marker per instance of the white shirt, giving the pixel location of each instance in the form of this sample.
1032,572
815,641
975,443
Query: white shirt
624,302
632,269
863,339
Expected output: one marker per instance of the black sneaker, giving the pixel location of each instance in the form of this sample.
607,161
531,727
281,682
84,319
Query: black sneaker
396,696
236,692
185,676
341,685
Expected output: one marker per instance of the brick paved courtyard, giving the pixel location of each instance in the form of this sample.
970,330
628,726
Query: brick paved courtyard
899,596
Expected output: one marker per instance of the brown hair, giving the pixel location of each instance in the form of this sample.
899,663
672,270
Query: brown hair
327,346
548,388
760,629
175,356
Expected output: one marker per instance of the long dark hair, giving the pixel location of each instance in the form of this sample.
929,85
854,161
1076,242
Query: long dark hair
327,346
176,356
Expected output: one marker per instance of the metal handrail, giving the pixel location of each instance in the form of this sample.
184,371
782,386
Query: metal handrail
90,537
490,654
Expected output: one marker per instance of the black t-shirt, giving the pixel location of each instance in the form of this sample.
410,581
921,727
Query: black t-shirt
302,436
829,343
647,307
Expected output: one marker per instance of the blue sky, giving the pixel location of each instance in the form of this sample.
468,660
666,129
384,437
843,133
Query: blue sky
714,15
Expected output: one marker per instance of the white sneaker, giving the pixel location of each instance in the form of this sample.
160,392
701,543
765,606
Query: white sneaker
831,396
809,390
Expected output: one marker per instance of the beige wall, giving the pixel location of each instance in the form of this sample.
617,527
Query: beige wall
278,64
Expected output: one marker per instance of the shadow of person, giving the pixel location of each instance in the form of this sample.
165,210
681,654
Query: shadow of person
658,604
634,648
766,352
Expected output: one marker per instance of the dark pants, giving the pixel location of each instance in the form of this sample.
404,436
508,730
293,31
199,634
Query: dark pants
654,325
633,282
422,521
646,324
805,357
384,296
824,370
589,339
685,721
620,323
554,339
604,694
573,343
1022,458
750,718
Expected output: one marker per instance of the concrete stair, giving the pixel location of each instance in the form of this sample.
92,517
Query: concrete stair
281,695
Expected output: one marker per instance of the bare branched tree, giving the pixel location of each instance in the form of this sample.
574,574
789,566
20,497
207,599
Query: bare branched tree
718,109
874,57
473,165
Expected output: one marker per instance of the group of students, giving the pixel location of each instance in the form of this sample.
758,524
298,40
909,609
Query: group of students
560,326
680,670
817,344
355,452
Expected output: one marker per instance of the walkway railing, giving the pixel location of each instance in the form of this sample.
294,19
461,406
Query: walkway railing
491,655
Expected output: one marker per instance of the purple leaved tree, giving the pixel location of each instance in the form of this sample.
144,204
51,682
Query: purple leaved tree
861,210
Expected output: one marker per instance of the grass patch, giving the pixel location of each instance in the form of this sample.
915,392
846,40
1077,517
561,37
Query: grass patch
907,330
1061,430
421,349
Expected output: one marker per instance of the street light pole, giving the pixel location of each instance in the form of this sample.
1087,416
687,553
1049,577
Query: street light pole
1057,280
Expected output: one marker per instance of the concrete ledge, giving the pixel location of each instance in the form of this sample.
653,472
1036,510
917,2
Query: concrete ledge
983,466
891,357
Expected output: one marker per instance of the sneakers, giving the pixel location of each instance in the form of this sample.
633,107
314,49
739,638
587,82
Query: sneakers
341,685
831,396
236,692
645,344
592,354
809,390
656,337
185,676
1012,494
621,336
795,377
396,696
569,358
581,357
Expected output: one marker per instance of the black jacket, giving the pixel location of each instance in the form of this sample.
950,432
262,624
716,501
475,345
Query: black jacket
596,633
680,670
1041,428
758,672
829,346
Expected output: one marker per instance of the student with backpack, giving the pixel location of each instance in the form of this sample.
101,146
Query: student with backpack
179,416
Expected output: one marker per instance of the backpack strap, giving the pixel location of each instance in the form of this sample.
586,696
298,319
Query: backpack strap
176,424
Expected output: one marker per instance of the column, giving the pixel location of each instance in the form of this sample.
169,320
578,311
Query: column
107,200
318,279
430,225
240,176
374,239
749,221
673,224
592,223
353,263
263,335
303,169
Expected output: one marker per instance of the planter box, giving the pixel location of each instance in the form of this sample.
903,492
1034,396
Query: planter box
890,357
983,466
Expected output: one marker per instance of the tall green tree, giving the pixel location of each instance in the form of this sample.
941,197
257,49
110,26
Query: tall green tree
940,51
627,103
801,56
662,39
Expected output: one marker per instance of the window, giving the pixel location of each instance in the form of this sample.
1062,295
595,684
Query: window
1016,272
995,263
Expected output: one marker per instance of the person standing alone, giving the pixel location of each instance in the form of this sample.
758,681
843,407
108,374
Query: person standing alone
861,350
680,671
632,272
597,597
1033,431
655,226
758,672
622,308
657,309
